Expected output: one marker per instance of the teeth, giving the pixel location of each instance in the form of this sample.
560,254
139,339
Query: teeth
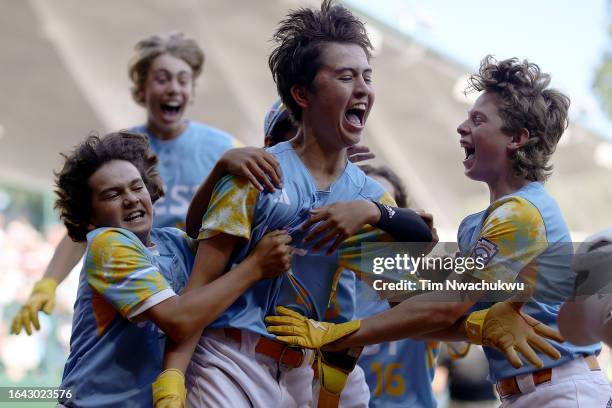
173,104
360,106
133,215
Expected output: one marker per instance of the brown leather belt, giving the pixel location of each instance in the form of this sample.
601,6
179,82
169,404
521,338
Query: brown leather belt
509,386
285,355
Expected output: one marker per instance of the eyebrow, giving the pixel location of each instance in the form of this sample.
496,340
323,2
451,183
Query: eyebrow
165,71
353,70
477,112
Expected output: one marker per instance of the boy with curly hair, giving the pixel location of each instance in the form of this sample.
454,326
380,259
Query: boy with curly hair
132,274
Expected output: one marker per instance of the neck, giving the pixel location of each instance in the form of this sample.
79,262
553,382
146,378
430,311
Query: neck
504,186
146,239
324,162
166,133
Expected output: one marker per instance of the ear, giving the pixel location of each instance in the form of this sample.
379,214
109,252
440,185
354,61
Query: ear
300,96
518,140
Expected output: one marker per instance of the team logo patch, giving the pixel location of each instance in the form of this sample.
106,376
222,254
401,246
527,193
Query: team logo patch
484,250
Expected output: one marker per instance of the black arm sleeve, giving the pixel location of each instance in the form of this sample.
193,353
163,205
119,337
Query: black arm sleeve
402,224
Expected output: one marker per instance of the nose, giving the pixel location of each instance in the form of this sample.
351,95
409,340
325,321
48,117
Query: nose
130,199
463,128
173,86
362,88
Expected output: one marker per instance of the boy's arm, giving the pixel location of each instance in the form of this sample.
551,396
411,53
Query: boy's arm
432,312
66,256
255,164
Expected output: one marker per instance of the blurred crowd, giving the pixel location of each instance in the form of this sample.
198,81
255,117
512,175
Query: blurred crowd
24,253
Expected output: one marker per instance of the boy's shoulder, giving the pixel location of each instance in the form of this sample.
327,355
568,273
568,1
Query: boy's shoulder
368,188
106,236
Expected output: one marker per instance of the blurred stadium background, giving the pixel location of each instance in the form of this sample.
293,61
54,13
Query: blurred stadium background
64,75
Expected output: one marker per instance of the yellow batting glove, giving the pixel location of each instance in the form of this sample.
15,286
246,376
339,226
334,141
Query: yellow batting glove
506,328
292,328
169,389
41,298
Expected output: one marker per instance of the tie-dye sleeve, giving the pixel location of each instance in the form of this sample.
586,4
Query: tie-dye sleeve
512,236
118,268
231,209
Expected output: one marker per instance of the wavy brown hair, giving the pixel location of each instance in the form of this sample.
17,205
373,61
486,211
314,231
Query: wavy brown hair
296,59
72,181
526,103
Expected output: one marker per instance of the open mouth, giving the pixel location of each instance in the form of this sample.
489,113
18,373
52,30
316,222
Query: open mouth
134,216
171,108
469,153
355,115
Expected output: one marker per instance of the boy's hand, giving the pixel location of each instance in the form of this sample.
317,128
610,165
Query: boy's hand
359,153
294,329
272,254
508,330
42,298
169,389
339,221
256,164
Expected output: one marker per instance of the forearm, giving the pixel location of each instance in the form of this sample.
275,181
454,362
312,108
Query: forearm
192,311
456,332
67,254
178,355
413,317
200,200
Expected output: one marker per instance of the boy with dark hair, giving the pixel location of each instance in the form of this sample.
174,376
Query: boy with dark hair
508,138
133,272
323,75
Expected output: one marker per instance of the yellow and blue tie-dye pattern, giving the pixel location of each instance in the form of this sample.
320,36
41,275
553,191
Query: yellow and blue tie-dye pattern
512,236
523,235
119,269
231,209
113,361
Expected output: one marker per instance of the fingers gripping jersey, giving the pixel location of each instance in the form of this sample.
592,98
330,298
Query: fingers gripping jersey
112,360
523,236
238,209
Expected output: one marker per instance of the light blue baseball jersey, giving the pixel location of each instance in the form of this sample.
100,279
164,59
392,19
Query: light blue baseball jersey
238,209
523,237
399,373
113,361
184,163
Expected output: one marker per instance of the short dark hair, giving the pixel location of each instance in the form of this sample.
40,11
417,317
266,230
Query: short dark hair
401,198
146,50
72,181
526,103
296,59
